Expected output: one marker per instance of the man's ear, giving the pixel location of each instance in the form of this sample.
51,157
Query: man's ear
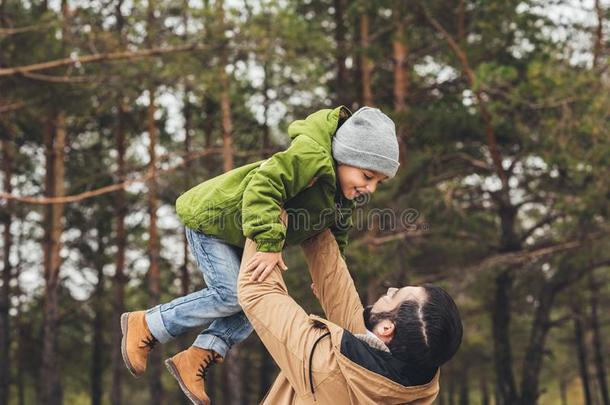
384,330
388,328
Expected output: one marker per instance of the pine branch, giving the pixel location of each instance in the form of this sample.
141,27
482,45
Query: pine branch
485,114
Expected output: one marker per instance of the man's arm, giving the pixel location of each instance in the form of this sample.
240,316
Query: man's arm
282,325
340,233
334,285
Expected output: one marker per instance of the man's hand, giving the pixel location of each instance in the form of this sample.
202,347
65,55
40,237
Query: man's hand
263,263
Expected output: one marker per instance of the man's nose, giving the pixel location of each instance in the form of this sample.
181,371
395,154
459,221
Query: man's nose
371,187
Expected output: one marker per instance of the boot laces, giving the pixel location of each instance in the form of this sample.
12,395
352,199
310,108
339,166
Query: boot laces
150,342
205,365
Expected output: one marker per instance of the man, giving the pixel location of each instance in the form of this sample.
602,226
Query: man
389,353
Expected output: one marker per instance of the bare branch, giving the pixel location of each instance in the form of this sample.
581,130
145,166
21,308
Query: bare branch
520,257
21,30
119,186
107,56
544,221
476,163
408,234
62,79
12,107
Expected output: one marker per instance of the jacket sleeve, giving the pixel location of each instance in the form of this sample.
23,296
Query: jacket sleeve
335,287
278,179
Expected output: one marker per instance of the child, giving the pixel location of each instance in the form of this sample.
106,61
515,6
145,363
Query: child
333,158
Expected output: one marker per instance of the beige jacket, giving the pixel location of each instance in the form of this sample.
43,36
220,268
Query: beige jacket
306,348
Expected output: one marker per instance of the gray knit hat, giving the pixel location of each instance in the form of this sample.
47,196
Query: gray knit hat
367,140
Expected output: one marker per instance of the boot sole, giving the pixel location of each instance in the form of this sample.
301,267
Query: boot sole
124,318
171,367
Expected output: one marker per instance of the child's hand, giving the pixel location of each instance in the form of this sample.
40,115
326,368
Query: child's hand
263,263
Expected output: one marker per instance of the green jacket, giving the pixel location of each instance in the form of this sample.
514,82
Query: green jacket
246,202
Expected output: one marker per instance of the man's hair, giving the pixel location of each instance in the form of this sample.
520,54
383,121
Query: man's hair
425,335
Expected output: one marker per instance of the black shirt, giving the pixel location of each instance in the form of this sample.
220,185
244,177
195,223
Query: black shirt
383,363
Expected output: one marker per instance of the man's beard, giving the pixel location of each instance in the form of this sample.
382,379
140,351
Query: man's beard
372,319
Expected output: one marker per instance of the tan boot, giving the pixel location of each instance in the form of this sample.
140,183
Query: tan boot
137,341
189,367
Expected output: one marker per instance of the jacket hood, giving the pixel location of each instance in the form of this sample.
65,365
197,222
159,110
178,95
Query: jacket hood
320,126
367,387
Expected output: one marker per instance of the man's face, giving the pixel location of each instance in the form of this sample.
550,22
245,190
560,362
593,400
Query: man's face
394,297
355,181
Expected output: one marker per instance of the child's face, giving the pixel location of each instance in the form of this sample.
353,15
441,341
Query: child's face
355,181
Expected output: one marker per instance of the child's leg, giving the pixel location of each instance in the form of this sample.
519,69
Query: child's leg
219,262
223,333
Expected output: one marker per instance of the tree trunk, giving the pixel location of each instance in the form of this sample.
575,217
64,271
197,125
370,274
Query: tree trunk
581,349
232,388
188,168
154,282
227,123
266,102
225,96
485,399
366,66
509,242
20,327
266,371
21,357
401,77
532,362
461,26
51,392
246,375
5,294
208,132
452,391
598,344
98,349
183,341
442,398
598,45
233,384
211,386
401,52
209,105
502,348
342,82
464,389
120,209
563,390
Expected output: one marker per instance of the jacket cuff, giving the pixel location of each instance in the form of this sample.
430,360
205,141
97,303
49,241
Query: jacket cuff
268,245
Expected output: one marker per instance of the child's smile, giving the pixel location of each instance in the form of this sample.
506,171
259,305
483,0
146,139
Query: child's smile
355,181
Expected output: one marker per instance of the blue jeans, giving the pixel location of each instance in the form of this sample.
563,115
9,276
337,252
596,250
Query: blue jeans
214,308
